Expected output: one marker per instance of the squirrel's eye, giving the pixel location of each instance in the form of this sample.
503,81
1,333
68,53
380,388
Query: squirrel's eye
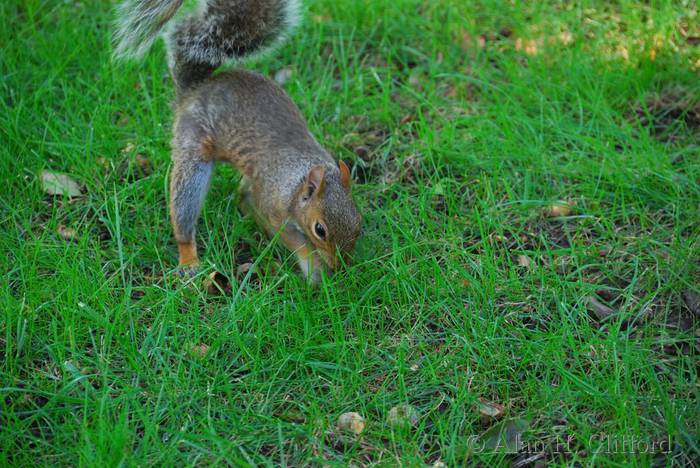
320,231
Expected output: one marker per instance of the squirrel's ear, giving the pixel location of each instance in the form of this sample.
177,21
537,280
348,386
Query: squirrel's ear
344,174
315,181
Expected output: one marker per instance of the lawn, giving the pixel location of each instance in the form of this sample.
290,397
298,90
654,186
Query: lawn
529,178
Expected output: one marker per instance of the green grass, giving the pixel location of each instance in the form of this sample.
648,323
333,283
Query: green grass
458,144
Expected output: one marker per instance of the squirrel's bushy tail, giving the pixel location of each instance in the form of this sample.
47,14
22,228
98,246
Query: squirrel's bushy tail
216,32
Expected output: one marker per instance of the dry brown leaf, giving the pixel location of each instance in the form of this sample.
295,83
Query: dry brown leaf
65,232
362,152
243,269
216,284
352,422
490,410
524,261
600,310
59,184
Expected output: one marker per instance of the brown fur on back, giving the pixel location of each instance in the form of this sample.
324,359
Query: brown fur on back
245,119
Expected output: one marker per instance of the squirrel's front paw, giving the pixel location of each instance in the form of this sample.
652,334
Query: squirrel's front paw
186,272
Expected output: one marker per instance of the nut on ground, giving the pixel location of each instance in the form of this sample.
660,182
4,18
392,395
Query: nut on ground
351,421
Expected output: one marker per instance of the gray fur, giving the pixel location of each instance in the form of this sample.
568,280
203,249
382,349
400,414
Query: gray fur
217,32
189,184
139,23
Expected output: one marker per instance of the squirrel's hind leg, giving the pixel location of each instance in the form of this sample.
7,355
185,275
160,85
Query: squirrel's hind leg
189,183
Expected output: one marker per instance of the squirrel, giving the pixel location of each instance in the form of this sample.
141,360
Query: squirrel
289,183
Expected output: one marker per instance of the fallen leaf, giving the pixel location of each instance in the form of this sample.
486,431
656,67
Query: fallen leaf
361,152
65,232
557,209
524,261
243,269
490,410
405,119
216,284
600,310
402,416
59,184
283,75
352,422
505,435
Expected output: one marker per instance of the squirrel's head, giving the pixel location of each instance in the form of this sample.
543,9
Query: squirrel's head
326,213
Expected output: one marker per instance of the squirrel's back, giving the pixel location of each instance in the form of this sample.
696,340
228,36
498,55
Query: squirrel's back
258,120
216,32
